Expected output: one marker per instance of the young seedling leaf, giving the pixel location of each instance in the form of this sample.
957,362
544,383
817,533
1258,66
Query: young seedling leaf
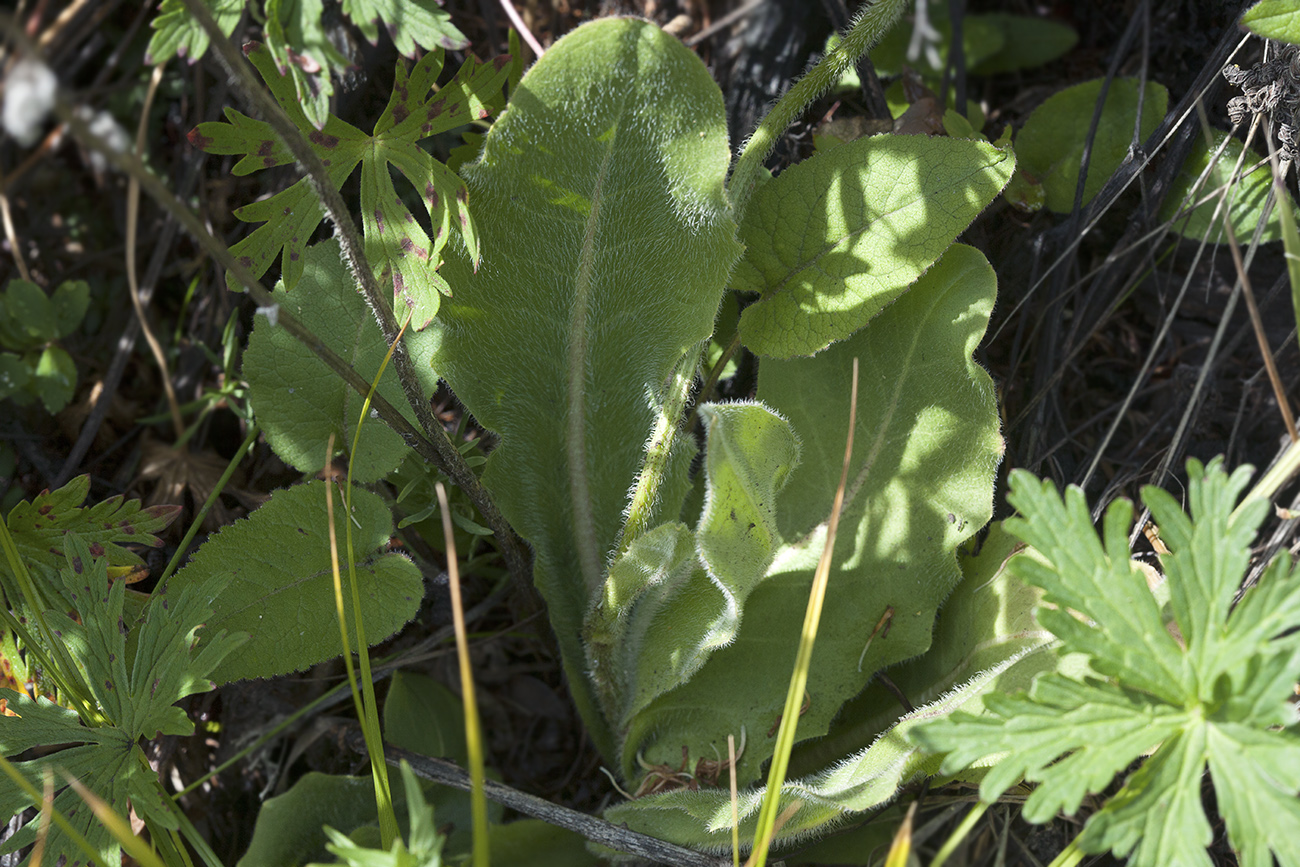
136,691
29,315
675,597
835,239
1217,692
1050,147
1210,172
299,420
395,243
607,246
926,413
277,585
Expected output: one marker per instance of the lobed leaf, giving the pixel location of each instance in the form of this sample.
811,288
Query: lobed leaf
835,239
277,583
178,34
1226,690
136,688
395,242
296,39
408,22
40,527
607,246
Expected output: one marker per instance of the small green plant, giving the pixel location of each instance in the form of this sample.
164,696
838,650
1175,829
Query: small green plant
610,224
32,364
1210,683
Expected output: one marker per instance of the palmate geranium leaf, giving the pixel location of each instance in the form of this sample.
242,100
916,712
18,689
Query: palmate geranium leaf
40,527
408,22
1214,692
135,687
396,244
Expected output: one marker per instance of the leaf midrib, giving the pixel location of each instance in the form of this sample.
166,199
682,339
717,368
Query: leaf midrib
575,397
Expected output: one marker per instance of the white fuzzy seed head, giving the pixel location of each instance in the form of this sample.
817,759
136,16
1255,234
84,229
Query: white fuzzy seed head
29,95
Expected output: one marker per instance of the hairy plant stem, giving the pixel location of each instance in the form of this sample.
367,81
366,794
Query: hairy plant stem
513,550
658,449
448,457
873,21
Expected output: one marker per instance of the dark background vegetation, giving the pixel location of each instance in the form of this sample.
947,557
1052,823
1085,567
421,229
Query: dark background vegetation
1081,302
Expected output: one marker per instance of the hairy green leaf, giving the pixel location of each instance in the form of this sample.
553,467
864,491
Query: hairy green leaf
835,239
1050,147
920,483
607,246
278,587
298,419
1217,695
674,597
395,242
985,642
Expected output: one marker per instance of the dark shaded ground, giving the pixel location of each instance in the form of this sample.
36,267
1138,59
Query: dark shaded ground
1073,336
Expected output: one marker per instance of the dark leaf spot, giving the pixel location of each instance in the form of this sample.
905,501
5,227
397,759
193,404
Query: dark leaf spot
199,140
435,108
97,549
400,112
499,62
266,148
77,565
324,140
379,220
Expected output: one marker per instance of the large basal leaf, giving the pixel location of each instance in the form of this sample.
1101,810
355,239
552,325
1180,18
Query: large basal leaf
279,588
299,401
921,482
607,243
986,641
835,239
